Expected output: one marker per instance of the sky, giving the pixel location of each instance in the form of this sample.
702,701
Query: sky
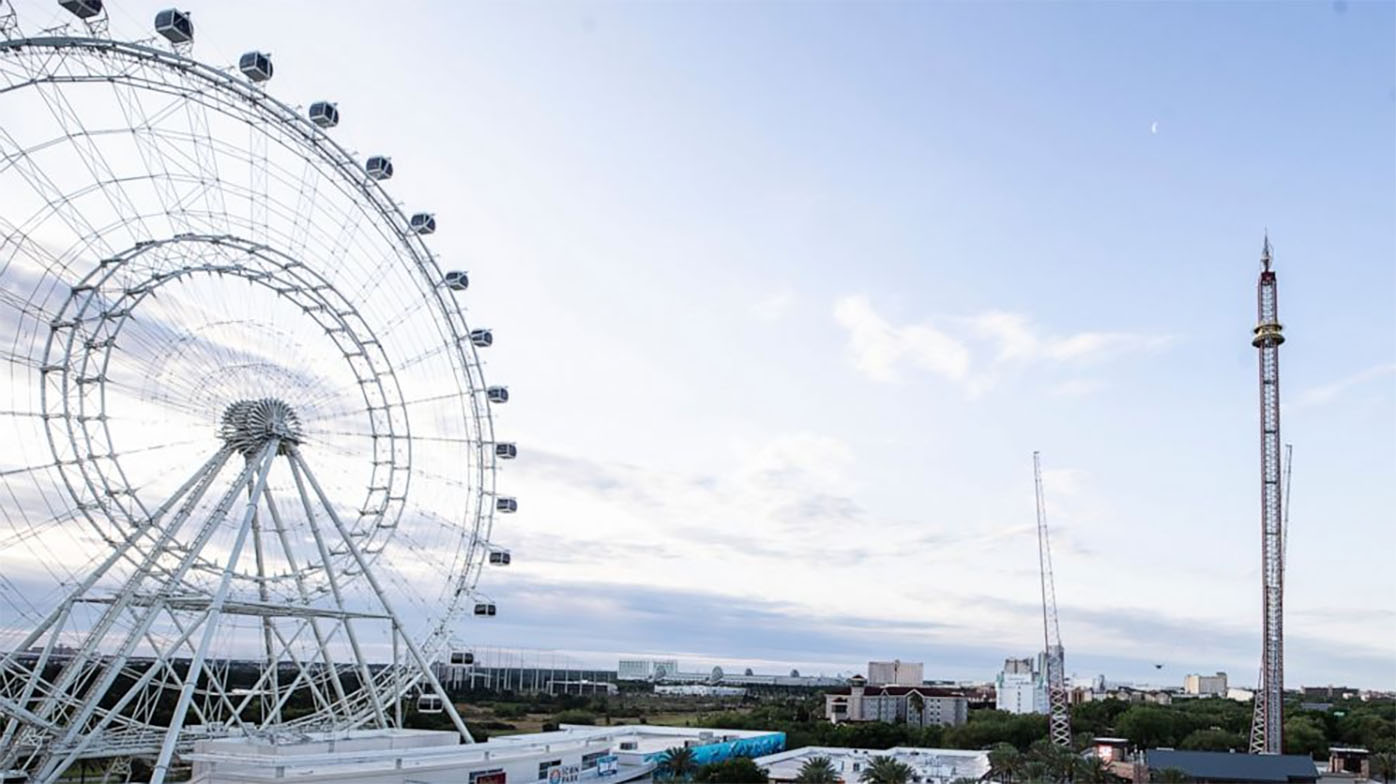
787,295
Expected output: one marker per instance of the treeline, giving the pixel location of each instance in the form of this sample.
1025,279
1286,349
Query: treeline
1208,724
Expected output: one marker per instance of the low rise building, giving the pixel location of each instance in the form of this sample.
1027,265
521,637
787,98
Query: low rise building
1205,685
646,669
1020,687
1221,767
896,673
396,756
915,705
699,690
929,766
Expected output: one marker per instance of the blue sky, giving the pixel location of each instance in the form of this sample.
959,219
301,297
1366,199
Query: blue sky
787,294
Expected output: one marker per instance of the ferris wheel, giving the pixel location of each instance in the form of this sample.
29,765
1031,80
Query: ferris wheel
248,461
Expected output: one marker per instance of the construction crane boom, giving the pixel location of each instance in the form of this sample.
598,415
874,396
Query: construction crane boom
1267,722
1054,656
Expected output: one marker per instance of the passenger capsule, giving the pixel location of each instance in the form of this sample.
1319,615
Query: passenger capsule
423,223
82,9
498,394
175,25
506,504
484,608
324,114
482,338
379,167
499,557
506,450
456,280
255,66
429,703
462,658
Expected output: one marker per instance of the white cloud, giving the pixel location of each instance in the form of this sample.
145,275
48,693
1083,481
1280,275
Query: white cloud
979,349
1326,393
877,347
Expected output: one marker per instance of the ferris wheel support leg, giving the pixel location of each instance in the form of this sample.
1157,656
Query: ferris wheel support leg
321,641
366,678
51,771
162,763
412,648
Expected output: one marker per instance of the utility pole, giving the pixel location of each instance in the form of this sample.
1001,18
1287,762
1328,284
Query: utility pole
1054,657
1267,723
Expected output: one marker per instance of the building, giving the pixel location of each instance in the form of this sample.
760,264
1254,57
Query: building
896,673
700,690
929,766
604,688
1021,687
646,669
1221,767
1351,760
1205,685
396,756
915,705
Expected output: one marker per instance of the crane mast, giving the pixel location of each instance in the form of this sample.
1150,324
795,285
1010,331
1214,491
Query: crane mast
1054,656
1267,723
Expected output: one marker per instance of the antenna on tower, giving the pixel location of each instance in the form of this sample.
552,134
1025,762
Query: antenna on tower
1054,657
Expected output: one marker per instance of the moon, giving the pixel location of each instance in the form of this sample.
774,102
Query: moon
1153,127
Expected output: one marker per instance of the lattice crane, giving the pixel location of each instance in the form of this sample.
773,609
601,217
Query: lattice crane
1054,657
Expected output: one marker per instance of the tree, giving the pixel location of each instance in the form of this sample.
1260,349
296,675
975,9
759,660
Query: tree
737,770
916,706
1147,727
1213,739
817,770
1005,762
1171,776
1383,766
1304,736
676,763
885,770
1093,770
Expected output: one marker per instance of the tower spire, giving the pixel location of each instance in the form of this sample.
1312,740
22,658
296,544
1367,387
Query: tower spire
1267,723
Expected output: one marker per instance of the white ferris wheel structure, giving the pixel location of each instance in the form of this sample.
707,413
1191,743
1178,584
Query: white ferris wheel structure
246,445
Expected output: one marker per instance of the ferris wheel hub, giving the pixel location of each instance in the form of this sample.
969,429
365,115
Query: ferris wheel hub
248,425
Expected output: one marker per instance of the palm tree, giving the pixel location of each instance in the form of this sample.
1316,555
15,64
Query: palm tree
817,770
885,770
1383,766
1093,770
1005,762
916,706
677,763
1171,776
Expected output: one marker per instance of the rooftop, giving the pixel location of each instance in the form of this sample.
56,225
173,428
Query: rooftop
1221,766
932,766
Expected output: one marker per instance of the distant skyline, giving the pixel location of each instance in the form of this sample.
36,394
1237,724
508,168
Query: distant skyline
787,295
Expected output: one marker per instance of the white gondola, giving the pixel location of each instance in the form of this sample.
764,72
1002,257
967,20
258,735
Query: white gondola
500,557
324,114
506,450
482,338
429,703
484,608
379,167
506,504
456,280
423,223
497,394
82,9
462,658
175,25
255,66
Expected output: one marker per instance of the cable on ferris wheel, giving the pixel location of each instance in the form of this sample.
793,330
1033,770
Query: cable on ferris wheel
250,468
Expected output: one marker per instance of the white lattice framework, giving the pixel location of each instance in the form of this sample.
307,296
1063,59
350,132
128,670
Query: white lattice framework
249,464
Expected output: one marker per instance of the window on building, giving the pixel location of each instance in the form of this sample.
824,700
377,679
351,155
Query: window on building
491,776
544,767
590,760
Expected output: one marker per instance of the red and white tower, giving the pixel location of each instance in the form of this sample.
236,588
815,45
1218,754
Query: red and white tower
1267,724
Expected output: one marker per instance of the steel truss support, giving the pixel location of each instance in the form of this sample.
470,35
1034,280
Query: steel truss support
103,699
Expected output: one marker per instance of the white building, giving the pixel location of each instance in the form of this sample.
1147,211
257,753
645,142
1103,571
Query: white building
573,753
646,669
1205,685
700,690
1021,688
916,705
896,673
929,766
